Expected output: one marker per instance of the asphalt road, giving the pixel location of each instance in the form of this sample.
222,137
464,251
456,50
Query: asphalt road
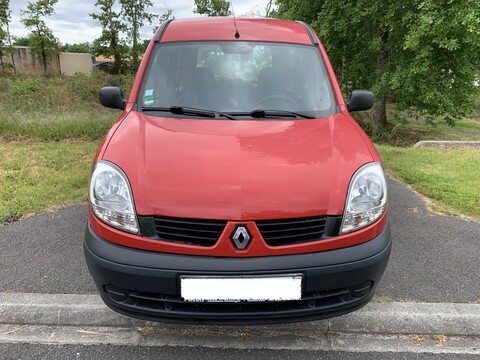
434,257
105,352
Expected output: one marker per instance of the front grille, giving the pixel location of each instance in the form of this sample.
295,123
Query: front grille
189,231
292,231
276,232
136,302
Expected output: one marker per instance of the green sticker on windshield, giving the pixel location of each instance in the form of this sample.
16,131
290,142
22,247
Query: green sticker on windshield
148,99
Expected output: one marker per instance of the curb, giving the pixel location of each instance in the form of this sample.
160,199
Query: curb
400,318
448,144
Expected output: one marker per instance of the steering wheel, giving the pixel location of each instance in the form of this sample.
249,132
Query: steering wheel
275,99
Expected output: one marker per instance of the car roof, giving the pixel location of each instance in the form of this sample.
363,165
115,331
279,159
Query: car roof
250,29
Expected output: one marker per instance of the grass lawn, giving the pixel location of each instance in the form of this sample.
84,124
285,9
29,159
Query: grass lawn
57,107
451,178
86,123
38,176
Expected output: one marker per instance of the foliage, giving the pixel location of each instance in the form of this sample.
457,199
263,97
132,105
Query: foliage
298,10
21,40
167,15
418,53
438,69
77,48
129,19
110,43
5,38
269,10
212,7
42,42
135,15
4,12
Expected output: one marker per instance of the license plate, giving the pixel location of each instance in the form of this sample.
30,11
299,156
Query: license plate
236,289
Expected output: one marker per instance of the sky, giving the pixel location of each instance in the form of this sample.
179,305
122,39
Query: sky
73,24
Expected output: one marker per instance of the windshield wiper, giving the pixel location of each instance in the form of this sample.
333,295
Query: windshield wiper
181,110
278,113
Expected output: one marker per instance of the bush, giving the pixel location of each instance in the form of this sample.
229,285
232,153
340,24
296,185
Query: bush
376,133
57,93
57,107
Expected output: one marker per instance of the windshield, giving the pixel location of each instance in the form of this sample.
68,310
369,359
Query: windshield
238,78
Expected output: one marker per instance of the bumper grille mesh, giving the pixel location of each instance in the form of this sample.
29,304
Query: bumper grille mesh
189,231
292,231
276,232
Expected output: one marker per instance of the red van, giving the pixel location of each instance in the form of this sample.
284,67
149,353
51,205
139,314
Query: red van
235,187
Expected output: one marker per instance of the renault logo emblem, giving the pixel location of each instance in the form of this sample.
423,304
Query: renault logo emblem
241,237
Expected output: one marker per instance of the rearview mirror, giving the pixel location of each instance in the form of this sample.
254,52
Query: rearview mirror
360,100
112,97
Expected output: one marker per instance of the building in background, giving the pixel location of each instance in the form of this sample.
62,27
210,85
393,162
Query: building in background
60,63
75,63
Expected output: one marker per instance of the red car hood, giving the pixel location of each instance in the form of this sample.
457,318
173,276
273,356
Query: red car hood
238,170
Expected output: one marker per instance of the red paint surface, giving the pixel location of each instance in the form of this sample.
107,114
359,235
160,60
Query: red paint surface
204,29
237,170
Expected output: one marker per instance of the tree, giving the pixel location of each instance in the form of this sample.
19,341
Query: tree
21,41
212,7
418,53
298,10
5,37
269,8
167,15
77,48
110,42
135,15
42,42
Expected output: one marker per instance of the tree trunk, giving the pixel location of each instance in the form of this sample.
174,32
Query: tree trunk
11,48
13,63
344,60
135,54
116,57
380,116
44,61
269,9
116,64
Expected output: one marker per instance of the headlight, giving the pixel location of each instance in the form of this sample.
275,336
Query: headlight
366,199
111,197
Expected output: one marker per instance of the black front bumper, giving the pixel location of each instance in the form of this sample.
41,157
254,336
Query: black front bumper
145,284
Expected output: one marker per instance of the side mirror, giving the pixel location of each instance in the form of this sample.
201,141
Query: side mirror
360,100
112,97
